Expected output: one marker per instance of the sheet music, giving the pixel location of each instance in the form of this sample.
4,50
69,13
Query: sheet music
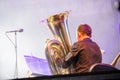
37,65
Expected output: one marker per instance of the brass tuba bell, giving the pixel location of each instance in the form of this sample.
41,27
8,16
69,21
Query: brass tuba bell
60,46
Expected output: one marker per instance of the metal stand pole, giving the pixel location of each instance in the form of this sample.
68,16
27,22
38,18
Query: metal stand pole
16,64
16,60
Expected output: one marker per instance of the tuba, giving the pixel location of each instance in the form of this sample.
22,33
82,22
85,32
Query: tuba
60,45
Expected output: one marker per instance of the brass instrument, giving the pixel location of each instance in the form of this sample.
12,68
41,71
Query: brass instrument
59,46
115,61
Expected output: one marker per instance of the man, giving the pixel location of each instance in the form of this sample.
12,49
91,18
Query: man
83,54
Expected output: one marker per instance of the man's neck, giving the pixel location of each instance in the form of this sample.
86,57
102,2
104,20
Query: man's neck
84,37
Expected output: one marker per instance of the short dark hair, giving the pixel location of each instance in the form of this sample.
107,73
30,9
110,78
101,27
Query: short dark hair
85,29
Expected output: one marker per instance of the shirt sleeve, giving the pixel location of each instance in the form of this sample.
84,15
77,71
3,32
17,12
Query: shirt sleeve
69,58
76,49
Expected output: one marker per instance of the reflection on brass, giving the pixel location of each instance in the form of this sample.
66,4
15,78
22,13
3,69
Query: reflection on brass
60,46
115,61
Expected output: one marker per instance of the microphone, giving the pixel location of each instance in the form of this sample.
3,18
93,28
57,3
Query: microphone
20,30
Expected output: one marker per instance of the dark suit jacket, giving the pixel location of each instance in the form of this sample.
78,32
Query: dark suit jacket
82,55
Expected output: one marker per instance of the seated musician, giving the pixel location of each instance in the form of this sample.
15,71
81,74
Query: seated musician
83,53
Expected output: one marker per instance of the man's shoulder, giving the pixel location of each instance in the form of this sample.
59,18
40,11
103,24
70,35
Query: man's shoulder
77,44
82,43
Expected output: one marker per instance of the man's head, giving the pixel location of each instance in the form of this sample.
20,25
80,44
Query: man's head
84,31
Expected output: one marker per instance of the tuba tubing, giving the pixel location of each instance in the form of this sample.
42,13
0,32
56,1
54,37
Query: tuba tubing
60,45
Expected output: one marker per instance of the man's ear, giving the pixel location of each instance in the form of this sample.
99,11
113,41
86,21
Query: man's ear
78,36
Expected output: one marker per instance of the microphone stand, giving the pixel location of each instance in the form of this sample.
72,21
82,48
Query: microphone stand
16,66
16,63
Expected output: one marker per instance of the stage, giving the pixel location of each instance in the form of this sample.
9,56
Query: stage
108,75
